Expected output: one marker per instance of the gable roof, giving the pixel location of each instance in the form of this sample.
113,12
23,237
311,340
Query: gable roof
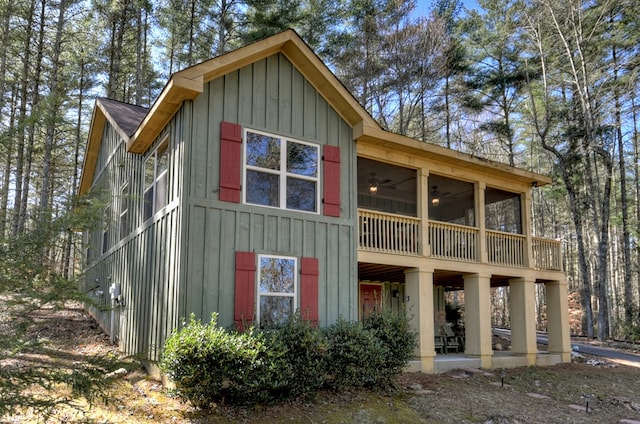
125,118
139,126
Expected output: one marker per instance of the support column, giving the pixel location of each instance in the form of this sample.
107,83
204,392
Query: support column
480,188
558,319
419,297
423,211
477,311
523,320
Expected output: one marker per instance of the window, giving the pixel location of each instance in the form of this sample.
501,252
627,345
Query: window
276,289
155,180
281,173
105,229
124,211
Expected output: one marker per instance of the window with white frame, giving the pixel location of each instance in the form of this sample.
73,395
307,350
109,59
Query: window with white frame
277,294
155,180
281,172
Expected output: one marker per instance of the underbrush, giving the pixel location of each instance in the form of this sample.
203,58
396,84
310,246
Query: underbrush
209,364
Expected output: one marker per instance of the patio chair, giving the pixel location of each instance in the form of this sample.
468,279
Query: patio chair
440,344
452,342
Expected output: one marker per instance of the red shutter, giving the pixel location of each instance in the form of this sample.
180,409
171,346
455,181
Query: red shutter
309,289
331,183
230,161
245,289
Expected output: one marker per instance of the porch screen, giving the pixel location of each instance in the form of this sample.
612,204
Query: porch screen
503,211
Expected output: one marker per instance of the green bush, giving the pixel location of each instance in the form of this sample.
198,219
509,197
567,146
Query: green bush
200,358
301,365
210,364
399,341
355,355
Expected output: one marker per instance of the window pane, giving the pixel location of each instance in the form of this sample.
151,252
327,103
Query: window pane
149,172
148,204
275,310
263,151
163,158
301,195
263,188
302,159
161,192
277,275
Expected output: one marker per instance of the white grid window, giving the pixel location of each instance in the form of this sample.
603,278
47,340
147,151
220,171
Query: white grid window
280,172
277,289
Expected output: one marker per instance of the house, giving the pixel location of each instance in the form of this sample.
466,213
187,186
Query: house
256,186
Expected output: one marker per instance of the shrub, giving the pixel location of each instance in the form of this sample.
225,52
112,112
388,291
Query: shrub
355,355
300,365
210,364
397,338
200,358
187,361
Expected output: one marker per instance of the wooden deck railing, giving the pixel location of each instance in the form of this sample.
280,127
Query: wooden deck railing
452,241
399,234
383,232
506,248
547,254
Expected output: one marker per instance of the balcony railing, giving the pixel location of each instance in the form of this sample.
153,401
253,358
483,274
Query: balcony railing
547,254
506,248
451,241
382,232
399,234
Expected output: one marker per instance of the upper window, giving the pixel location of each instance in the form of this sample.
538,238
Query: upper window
155,180
280,172
276,289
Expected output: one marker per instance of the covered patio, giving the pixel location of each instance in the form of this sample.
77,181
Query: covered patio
421,295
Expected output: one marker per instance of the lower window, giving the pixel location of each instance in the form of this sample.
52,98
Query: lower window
277,284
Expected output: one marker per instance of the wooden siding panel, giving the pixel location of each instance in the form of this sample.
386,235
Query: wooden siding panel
284,96
245,96
196,260
199,150
272,101
309,111
259,114
211,227
231,96
297,104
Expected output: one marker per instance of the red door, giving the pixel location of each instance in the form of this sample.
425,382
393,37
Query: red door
370,299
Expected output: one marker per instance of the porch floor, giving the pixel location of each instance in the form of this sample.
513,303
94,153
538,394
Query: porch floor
500,360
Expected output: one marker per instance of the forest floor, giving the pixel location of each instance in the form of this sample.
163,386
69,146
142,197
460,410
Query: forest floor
557,394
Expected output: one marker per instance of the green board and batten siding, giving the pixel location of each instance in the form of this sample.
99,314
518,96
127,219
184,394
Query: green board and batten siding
181,261
146,262
269,95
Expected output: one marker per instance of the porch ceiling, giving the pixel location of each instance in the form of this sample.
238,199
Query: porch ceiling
450,280
380,272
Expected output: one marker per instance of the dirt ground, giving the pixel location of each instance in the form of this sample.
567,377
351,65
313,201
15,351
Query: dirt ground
556,394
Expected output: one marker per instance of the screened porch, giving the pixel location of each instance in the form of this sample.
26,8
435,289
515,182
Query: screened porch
392,219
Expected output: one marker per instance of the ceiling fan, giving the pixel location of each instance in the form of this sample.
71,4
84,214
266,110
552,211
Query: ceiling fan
375,183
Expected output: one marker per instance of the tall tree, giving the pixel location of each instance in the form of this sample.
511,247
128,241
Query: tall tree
498,72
